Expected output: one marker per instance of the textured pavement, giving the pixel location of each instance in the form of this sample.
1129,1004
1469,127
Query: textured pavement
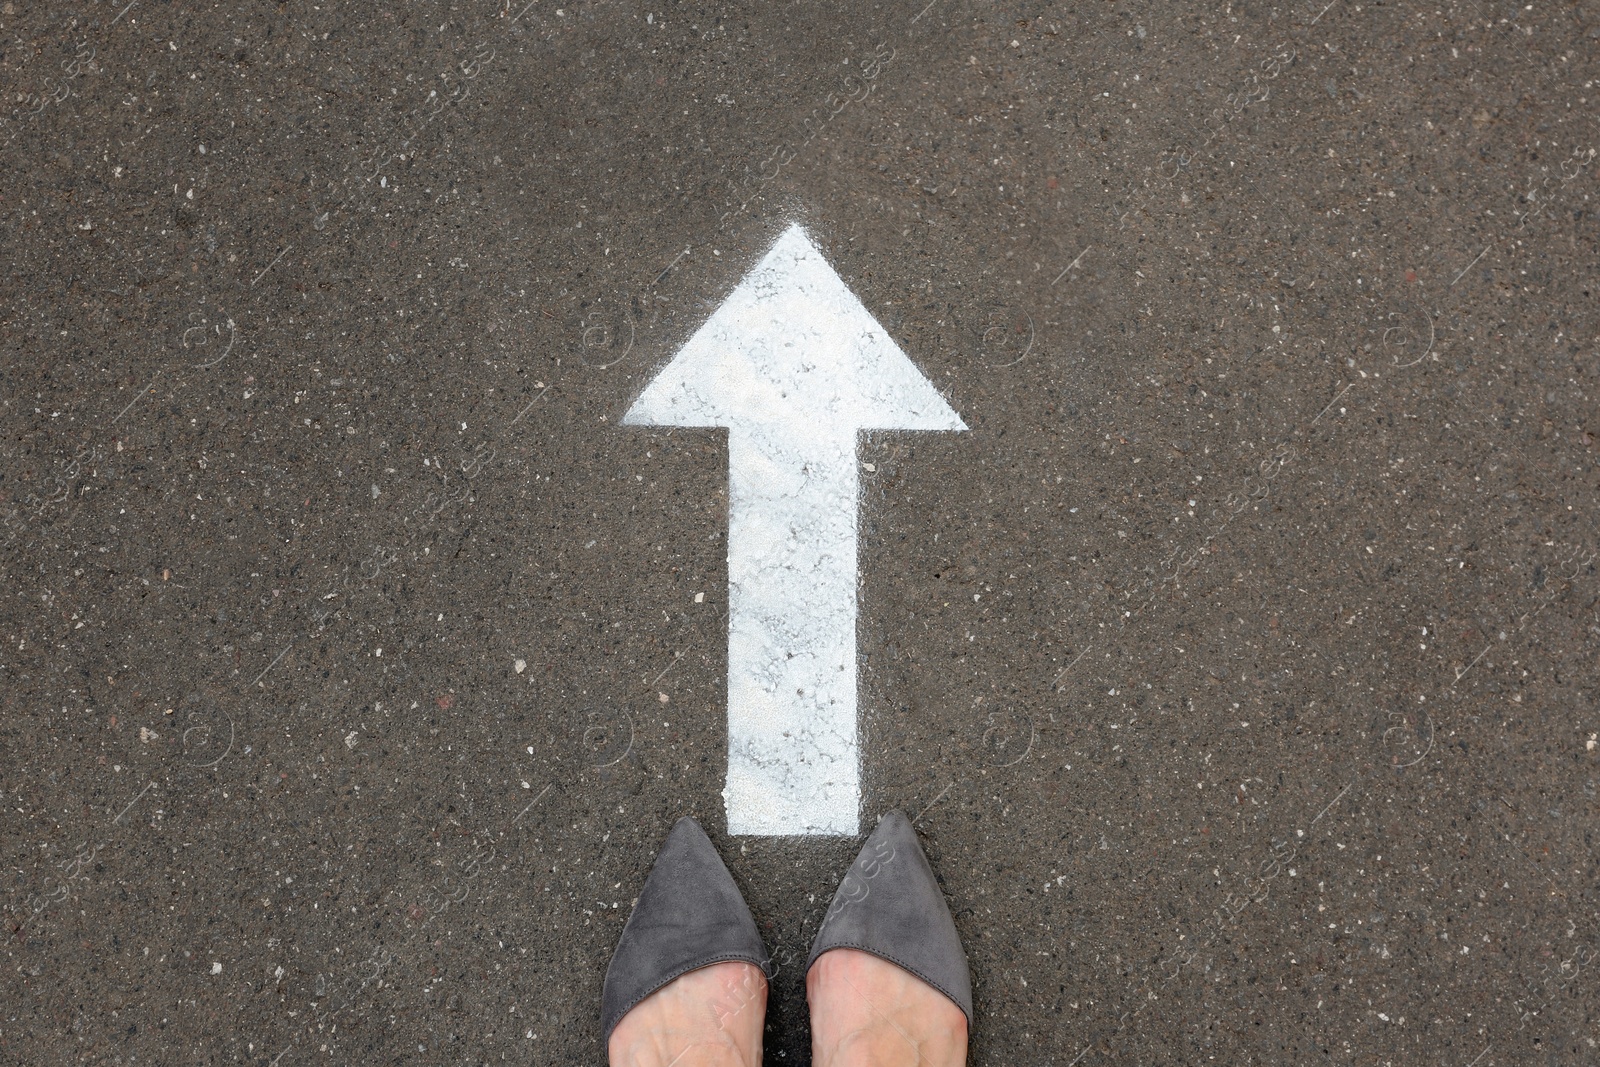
1239,666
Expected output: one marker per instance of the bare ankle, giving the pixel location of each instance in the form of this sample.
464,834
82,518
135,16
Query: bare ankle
867,1012
711,1017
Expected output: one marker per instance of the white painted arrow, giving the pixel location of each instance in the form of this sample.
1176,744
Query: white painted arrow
794,366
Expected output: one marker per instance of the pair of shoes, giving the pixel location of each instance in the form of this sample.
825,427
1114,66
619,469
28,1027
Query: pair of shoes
691,915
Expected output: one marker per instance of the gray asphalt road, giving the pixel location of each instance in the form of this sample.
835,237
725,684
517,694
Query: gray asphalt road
1239,665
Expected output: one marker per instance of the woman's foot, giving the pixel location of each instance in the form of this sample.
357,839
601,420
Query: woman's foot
686,985
710,1017
866,1012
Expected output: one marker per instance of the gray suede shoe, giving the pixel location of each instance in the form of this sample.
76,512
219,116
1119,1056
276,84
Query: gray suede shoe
689,915
890,905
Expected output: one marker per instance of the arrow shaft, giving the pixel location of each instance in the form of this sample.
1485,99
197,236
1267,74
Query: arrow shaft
793,762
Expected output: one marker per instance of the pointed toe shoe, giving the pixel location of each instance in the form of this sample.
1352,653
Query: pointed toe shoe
689,915
890,905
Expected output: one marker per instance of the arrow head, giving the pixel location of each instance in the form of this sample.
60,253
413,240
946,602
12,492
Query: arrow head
793,351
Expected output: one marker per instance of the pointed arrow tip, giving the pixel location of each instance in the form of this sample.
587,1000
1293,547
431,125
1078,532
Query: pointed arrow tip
793,346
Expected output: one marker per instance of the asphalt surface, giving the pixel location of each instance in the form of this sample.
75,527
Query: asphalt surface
1238,666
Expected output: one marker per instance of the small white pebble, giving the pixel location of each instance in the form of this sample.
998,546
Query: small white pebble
520,666
700,598
216,968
